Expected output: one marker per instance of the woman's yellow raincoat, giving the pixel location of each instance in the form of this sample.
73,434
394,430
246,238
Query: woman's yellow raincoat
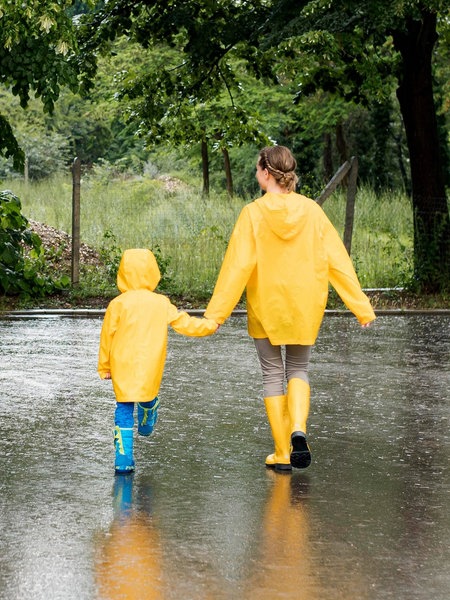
133,340
285,251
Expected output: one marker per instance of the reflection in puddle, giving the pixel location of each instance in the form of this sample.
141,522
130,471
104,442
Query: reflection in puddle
128,557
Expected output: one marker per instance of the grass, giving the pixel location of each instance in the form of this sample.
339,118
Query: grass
190,232
382,244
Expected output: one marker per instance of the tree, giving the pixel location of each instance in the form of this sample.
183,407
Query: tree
356,50
415,42
46,150
355,47
174,101
37,43
359,48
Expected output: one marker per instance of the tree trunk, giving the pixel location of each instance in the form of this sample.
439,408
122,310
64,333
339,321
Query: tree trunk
381,118
415,94
342,148
327,158
401,162
341,143
205,168
226,160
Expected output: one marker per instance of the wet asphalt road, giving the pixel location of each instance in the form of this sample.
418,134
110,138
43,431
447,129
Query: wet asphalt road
202,518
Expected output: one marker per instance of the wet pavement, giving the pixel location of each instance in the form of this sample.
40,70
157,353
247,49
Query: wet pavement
202,518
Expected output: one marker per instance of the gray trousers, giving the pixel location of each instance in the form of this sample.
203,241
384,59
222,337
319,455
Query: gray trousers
279,364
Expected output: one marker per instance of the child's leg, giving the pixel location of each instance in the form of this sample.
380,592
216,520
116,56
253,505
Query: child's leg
123,437
147,416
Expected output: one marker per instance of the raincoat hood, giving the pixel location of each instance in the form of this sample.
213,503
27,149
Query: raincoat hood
138,270
284,214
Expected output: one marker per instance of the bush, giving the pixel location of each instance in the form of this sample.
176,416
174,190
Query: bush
22,264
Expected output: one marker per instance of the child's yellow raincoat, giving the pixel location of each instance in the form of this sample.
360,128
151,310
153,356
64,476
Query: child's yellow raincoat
133,339
285,251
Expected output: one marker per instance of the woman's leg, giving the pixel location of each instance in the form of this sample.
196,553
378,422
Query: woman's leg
297,363
275,401
272,367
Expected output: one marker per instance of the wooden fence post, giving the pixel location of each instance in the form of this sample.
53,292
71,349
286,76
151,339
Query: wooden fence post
76,182
350,166
334,182
26,170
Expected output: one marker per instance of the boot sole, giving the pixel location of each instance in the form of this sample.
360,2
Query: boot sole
300,455
123,471
144,432
280,467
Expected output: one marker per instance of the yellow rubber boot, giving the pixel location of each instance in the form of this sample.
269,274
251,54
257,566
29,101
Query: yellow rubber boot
276,407
298,407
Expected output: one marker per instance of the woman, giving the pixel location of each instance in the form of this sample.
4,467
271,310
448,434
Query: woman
285,252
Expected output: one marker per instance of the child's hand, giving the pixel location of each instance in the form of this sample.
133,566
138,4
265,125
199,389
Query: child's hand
107,376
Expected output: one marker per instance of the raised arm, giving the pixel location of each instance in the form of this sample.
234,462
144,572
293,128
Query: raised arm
191,326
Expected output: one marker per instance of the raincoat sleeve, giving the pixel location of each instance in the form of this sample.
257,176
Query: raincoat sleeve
187,325
238,264
343,278
109,327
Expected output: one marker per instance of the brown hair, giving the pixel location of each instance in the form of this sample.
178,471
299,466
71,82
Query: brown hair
281,164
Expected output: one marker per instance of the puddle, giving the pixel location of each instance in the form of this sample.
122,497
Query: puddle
202,518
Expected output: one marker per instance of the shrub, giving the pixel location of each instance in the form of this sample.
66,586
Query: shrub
22,263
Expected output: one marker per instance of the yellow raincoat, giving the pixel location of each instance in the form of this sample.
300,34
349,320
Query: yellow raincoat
133,340
285,251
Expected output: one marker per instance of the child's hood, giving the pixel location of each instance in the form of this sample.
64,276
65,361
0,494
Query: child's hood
138,270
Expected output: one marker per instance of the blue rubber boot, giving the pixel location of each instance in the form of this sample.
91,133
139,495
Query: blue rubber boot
147,414
123,443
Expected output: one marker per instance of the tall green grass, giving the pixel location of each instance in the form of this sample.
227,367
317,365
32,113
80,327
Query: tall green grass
382,242
191,232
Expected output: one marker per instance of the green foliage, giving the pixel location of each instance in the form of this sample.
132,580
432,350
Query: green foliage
46,150
165,95
22,263
178,73
36,56
334,58
189,234
9,146
110,253
13,236
166,283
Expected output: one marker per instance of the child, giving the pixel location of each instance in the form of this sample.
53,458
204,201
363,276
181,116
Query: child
133,344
